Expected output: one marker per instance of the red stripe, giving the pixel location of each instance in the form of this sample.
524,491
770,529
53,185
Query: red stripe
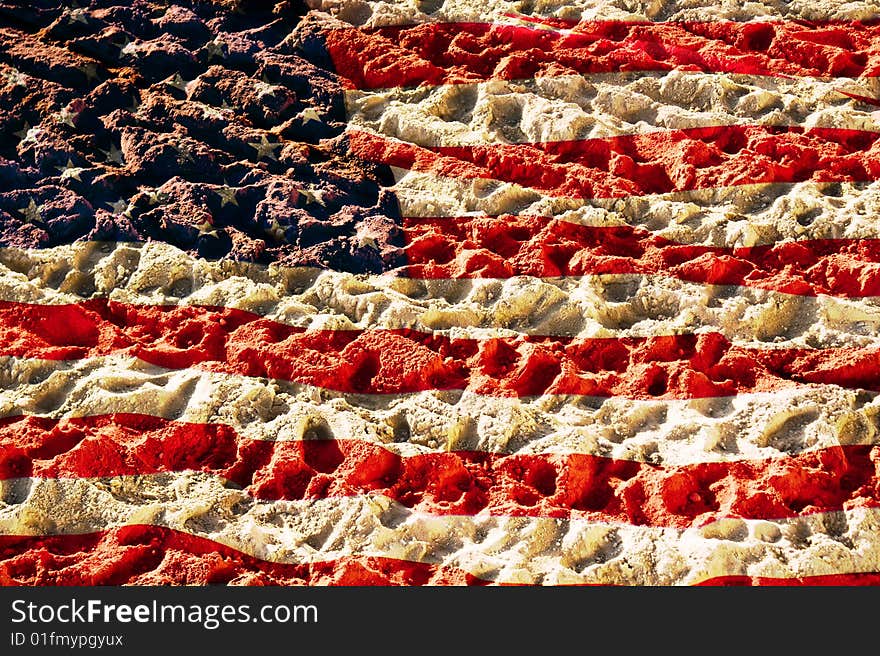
510,245
856,578
450,53
379,361
652,163
153,555
870,100
448,483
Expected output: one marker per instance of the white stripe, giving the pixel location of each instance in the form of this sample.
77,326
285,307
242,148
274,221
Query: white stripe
585,307
500,548
750,426
386,13
575,107
734,216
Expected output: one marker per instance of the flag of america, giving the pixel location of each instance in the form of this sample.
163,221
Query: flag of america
404,292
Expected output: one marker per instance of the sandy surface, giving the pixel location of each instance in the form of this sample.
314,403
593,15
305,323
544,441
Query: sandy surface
376,14
226,447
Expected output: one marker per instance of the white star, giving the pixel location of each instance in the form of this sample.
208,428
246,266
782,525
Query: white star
66,117
135,103
185,150
31,213
154,196
368,242
177,82
206,227
210,112
77,15
69,171
227,195
15,78
276,230
215,49
114,155
309,114
90,71
264,148
119,207
130,48
313,195
264,89
295,41
31,135
22,134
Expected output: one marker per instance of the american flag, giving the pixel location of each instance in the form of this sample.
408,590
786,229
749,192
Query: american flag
423,292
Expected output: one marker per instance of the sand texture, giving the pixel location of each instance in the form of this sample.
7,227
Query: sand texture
455,292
